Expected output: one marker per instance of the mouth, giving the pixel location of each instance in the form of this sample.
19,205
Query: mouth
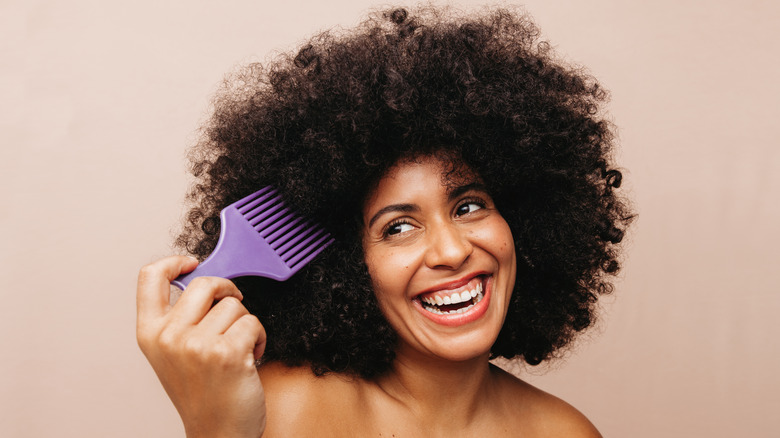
456,305
454,302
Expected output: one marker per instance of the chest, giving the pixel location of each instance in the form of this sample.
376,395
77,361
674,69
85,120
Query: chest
376,419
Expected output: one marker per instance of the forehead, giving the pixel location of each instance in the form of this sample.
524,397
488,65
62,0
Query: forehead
452,171
430,173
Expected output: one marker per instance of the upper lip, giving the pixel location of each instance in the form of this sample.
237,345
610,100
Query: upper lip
454,284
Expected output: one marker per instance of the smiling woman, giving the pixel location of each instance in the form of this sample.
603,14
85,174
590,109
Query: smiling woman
441,260
465,175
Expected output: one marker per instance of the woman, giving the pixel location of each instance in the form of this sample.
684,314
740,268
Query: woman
465,175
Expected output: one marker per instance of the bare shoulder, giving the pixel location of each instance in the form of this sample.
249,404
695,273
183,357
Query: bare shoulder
546,414
300,403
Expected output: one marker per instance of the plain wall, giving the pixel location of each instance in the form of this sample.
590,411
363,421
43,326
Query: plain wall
99,101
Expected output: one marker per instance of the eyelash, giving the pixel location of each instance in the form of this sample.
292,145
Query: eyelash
477,201
386,231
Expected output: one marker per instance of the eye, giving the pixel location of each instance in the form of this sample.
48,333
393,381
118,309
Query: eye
397,227
469,206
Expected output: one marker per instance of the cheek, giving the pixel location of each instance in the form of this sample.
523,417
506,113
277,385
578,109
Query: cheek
387,269
507,255
386,263
498,237
498,241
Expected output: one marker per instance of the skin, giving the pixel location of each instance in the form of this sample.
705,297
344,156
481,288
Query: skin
203,355
421,238
427,237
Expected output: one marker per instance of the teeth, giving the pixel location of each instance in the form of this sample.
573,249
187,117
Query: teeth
432,302
476,293
455,298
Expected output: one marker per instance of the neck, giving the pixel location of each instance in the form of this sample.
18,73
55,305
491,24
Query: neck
439,390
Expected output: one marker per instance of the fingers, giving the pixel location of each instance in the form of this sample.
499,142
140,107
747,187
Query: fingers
223,315
154,282
198,298
194,322
248,331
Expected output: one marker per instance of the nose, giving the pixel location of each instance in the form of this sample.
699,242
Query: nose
448,247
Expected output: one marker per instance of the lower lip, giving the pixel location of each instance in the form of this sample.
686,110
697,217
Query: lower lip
457,319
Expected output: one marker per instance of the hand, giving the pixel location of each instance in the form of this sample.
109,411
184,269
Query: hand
204,356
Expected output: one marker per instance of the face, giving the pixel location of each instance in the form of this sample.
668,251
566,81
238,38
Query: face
441,259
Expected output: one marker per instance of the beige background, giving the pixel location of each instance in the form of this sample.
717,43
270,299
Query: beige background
99,100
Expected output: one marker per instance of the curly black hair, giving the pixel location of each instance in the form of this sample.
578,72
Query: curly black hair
325,124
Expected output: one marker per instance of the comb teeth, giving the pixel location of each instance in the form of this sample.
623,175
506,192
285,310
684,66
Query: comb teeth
259,235
250,201
295,241
298,246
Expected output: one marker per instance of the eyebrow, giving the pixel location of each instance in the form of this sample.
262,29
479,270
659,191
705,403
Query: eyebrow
402,208
410,208
454,192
